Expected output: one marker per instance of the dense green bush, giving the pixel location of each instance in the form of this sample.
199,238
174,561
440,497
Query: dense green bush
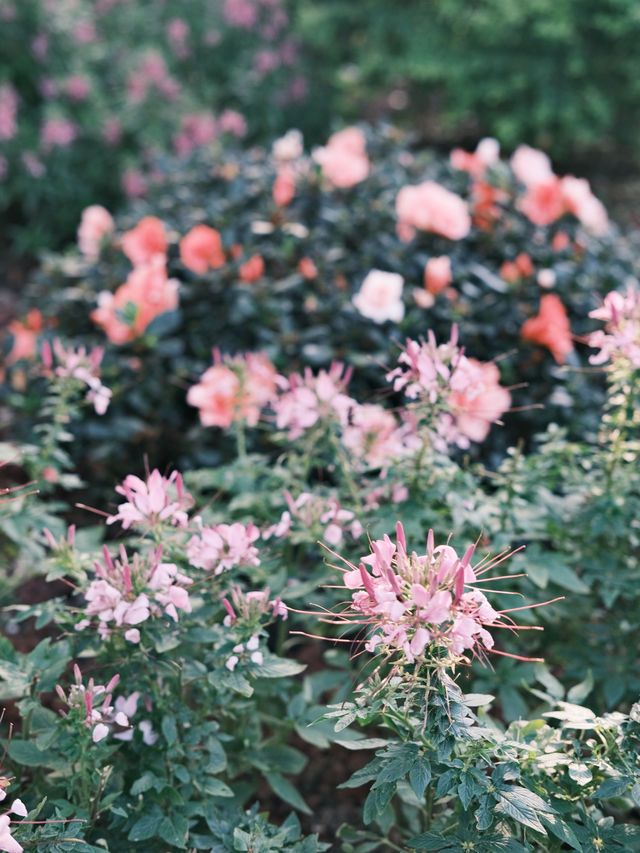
558,74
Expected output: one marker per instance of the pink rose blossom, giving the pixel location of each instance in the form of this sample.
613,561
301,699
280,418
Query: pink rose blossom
431,207
8,110
531,166
344,159
57,132
96,224
380,297
437,274
144,242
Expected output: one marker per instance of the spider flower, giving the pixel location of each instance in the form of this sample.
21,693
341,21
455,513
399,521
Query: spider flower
153,501
422,606
620,338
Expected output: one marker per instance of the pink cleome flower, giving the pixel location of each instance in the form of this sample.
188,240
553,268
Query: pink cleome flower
81,366
460,396
126,592
419,605
234,389
307,399
220,547
620,339
156,500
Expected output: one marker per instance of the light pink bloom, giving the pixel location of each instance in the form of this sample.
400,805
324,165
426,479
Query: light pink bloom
344,159
380,297
437,274
7,842
221,547
231,121
153,501
57,132
620,339
486,154
531,166
374,437
431,207
307,399
411,601
96,224
580,201
8,110
288,147
82,366
77,87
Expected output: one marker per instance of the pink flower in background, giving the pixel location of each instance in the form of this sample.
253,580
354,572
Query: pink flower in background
77,87
265,61
25,336
344,159
48,88
178,32
543,202
84,32
486,154
196,130
251,270
437,274
201,249
4,166
431,207
550,328
8,111
134,183
7,841
144,242
481,401
531,166
306,399
81,365
373,436
288,147
240,13
284,187
220,547
146,293
580,201
231,121
96,224
380,297
459,396
33,164
112,130
57,132
621,337
234,389
153,501
311,511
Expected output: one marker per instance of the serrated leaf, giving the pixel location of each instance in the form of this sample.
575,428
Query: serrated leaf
466,789
522,805
612,788
561,830
420,776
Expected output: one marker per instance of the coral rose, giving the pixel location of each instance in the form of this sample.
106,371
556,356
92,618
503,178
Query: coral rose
146,240
437,274
550,328
252,270
201,249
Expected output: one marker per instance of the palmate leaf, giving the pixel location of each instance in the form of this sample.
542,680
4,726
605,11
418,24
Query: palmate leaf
523,806
485,842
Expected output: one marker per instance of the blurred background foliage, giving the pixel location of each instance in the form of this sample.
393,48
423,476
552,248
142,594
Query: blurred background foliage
558,74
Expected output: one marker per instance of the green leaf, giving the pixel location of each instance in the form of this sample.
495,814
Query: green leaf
274,667
553,686
216,787
169,729
612,788
580,773
420,776
286,791
568,579
146,826
27,753
579,692
561,830
467,788
522,805
173,830
144,783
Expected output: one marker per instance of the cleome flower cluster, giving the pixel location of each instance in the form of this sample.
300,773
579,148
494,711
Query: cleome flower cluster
413,603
